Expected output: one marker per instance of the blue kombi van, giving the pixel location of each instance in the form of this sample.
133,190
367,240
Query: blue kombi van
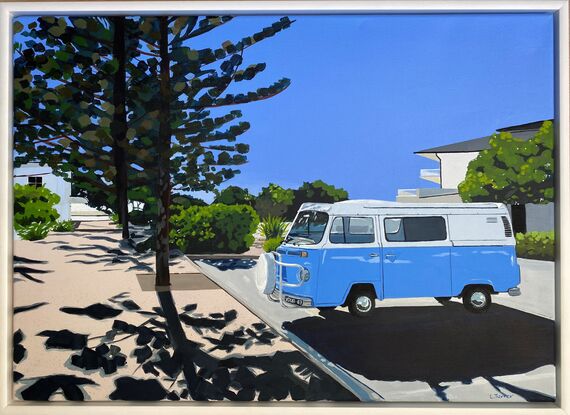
354,252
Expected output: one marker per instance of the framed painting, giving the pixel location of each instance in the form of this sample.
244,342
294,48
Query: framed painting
258,206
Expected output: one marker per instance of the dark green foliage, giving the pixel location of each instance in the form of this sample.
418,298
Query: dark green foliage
234,195
513,170
318,192
214,228
536,245
272,244
186,201
64,75
273,227
274,200
141,217
174,135
34,204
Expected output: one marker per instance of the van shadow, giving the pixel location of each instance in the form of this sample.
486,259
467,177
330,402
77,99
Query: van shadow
431,344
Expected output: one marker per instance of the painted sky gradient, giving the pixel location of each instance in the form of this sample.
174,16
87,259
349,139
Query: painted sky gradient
368,91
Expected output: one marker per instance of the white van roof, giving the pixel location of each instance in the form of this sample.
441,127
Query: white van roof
367,207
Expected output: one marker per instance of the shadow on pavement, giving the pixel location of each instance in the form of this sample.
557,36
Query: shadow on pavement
225,264
431,344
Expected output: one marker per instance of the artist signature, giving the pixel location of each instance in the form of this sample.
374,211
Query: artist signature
500,396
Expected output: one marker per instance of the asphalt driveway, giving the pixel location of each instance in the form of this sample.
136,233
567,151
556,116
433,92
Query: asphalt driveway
418,349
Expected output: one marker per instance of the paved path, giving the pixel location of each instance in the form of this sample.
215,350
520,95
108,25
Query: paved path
417,349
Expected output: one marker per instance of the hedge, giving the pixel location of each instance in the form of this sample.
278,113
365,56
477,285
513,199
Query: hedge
34,205
536,245
34,211
272,244
214,228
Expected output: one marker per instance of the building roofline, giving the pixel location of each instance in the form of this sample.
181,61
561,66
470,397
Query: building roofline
482,143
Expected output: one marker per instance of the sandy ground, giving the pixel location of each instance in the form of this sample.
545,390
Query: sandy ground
77,270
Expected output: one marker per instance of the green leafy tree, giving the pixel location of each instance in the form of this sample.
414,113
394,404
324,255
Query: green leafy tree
70,99
185,141
513,171
178,139
234,195
273,200
318,192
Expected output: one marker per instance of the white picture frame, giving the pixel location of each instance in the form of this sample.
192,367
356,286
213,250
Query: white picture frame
562,42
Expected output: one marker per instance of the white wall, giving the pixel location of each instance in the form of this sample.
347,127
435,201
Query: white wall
433,199
453,168
52,182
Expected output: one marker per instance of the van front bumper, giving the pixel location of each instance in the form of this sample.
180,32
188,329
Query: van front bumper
292,299
514,292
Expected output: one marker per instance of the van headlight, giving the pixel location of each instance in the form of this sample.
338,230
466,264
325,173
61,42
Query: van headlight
304,275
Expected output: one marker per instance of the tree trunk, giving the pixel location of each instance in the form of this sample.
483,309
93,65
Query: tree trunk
184,349
119,124
163,150
518,214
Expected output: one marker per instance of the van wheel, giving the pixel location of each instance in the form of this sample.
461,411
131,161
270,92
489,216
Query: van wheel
443,300
477,299
361,303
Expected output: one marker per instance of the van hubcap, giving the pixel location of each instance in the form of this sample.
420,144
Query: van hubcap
478,299
363,304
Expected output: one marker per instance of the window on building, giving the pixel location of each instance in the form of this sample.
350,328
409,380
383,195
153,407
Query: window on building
415,229
354,230
36,181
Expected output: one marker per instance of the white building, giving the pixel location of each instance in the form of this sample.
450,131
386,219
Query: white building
35,175
453,160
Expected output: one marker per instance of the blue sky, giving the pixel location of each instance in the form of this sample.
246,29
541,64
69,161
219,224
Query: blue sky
369,90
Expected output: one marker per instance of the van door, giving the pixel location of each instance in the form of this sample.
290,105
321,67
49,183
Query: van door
416,256
351,255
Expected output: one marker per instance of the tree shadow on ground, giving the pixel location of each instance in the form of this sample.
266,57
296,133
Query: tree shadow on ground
226,264
123,253
163,350
24,308
432,344
20,267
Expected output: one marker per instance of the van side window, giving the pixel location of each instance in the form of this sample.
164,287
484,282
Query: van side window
337,231
415,229
354,230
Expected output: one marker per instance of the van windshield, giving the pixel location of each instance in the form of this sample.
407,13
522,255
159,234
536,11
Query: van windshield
308,228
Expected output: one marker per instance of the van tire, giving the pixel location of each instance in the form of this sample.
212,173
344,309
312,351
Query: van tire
361,303
477,299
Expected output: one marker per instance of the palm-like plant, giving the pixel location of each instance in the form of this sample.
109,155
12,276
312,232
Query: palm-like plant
273,227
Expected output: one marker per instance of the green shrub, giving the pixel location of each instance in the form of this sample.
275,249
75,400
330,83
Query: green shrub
272,244
536,245
213,228
63,226
140,217
234,195
34,205
34,231
186,200
317,192
273,227
273,200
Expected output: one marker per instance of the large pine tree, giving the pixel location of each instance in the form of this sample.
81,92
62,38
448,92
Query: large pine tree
128,109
